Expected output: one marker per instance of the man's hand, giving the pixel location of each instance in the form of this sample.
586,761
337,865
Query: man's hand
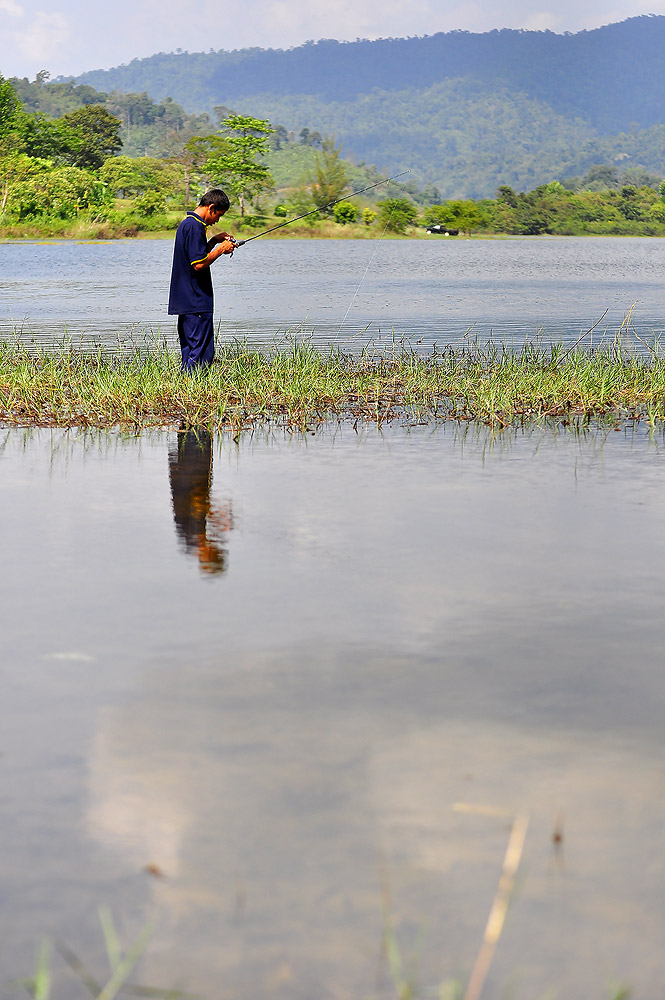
217,239
226,246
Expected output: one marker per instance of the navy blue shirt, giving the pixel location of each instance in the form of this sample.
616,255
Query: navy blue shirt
191,291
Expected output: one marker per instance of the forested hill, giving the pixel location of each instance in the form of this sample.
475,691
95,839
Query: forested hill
465,111
611,76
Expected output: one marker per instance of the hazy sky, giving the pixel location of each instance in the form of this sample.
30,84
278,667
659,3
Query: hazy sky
70,36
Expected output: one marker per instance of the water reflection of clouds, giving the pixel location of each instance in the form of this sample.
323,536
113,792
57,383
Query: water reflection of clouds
471,619
278,797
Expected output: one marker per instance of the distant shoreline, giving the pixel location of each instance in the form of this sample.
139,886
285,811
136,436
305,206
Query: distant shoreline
314,235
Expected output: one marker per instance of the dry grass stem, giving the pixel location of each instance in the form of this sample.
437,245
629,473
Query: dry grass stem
499,909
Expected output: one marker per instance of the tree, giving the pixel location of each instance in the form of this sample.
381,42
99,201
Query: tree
95,135
15,168
506,195
141,175
11,115
600,178
239,167
454,215
85,138
397,214
194,155
279,137
122,174
46,138
330,177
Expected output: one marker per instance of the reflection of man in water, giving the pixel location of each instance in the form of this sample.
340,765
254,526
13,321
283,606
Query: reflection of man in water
199,525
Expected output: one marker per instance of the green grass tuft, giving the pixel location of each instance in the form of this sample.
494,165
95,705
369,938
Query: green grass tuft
298,385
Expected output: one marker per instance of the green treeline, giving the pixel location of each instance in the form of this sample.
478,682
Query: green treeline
624,210
67,168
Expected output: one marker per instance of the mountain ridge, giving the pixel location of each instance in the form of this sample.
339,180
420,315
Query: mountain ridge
526,106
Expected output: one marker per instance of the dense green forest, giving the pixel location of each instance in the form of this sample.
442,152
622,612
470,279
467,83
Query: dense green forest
69,166
465,112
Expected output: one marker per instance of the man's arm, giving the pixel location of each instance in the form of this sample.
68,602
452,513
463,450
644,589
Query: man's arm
226,246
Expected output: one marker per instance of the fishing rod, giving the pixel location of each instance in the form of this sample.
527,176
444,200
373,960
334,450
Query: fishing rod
324,208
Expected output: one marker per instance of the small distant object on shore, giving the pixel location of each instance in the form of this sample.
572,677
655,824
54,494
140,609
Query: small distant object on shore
440,230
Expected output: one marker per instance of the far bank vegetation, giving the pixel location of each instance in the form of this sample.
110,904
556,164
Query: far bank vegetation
79,163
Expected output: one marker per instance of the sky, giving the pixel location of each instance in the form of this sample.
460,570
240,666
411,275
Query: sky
70,36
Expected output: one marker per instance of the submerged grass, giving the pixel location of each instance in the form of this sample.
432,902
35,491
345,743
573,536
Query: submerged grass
297,385
121,965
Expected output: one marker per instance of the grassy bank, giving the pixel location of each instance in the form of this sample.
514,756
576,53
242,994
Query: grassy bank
300,386
81,229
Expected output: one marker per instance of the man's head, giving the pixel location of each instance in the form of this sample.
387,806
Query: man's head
212,205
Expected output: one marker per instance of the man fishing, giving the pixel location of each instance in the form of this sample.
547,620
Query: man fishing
191,295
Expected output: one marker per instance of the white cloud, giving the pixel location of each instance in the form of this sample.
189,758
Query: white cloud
12,8
43,38
342,19
541,21
283,23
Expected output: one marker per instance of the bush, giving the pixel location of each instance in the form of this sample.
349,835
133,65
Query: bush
280,211
58,193
149,204
343,212
250,221
460,215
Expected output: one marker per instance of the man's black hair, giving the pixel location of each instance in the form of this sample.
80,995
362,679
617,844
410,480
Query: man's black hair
216,198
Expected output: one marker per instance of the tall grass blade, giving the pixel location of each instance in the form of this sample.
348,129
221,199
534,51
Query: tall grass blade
126,964
77,966
39,985
110,937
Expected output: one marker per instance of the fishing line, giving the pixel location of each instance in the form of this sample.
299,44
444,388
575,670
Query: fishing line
378,243
386,180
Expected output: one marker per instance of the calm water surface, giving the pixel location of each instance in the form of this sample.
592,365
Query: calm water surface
324,685
343,292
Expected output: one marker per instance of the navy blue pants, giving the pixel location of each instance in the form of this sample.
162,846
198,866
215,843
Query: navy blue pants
197,340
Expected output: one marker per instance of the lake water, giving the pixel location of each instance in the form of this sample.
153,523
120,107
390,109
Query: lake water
319,690
343,292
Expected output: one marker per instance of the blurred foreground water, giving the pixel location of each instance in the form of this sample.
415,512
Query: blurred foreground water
310,681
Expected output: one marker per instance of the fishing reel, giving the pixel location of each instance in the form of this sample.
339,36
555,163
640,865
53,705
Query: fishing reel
211,244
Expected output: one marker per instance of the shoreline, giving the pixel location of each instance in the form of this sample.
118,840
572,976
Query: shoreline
325,231
408,237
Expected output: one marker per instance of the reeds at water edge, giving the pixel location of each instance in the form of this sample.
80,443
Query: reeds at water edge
296,384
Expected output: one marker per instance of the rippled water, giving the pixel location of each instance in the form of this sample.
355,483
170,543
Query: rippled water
312,680
343,292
